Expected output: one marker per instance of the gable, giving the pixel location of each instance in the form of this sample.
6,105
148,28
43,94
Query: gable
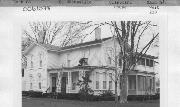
31,48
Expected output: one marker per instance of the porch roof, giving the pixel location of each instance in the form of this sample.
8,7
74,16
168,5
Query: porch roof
83,67
144,72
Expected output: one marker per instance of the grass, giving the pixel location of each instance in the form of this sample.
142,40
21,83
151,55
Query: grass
47,102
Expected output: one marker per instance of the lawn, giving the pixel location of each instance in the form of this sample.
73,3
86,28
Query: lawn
47,102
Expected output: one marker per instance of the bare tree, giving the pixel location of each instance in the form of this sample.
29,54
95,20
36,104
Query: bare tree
48,32
54,33
129,35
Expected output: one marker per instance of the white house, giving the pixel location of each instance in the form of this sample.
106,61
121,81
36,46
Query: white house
51,68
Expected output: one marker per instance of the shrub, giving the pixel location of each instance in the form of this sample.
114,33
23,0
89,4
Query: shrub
106,96
32,93
85,92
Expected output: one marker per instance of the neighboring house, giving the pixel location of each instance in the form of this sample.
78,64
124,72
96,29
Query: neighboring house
53,69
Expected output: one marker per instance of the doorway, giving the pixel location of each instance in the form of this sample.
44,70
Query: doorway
53,84
63,85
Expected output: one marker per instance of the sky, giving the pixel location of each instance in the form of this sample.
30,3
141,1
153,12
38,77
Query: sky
106,31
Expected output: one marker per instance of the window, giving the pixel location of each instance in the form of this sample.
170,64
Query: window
141,61
104,80
147,62
110,85
68,63
39,85
97,84
110,80
151,63
110,76
31,85
66,80
132,82
31,79
120,62
39,79
97,80
31,61
75,78
151,84
104,84
109,60
40,59
22,72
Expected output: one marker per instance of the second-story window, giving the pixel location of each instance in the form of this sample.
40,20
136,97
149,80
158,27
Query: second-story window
68,60
31,61
23,72
147,62
141,61
109,60
68,63
151,63
40,59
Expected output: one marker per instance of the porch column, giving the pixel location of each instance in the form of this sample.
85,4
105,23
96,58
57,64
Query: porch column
154,84
69,81
136,84
80,75
58,84
48,83
127,86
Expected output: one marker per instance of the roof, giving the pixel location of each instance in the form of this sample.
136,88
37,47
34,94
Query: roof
83,67
85,44
57,48
147,56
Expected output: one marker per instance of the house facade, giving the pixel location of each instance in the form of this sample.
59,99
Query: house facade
53,69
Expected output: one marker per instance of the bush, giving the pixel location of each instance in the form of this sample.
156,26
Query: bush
85,92
36,94
32,93
106,96
107,93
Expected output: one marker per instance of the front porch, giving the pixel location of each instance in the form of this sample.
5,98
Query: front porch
65,81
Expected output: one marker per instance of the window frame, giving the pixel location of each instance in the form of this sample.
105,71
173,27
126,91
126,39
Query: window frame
40,59
31,61
97,80
151,63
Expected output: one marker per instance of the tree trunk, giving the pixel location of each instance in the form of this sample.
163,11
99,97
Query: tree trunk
123,92
116,96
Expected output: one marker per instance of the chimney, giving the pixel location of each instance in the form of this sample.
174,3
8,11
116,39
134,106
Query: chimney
98,34
40,36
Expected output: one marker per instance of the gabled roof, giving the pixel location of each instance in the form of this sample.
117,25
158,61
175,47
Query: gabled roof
86,43
58,49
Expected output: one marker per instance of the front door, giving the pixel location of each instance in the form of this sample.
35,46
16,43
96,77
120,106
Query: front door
53,84
63,85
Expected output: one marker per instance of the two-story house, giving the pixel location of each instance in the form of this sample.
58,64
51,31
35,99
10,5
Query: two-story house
54,69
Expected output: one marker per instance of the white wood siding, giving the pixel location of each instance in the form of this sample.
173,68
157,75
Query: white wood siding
36,70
